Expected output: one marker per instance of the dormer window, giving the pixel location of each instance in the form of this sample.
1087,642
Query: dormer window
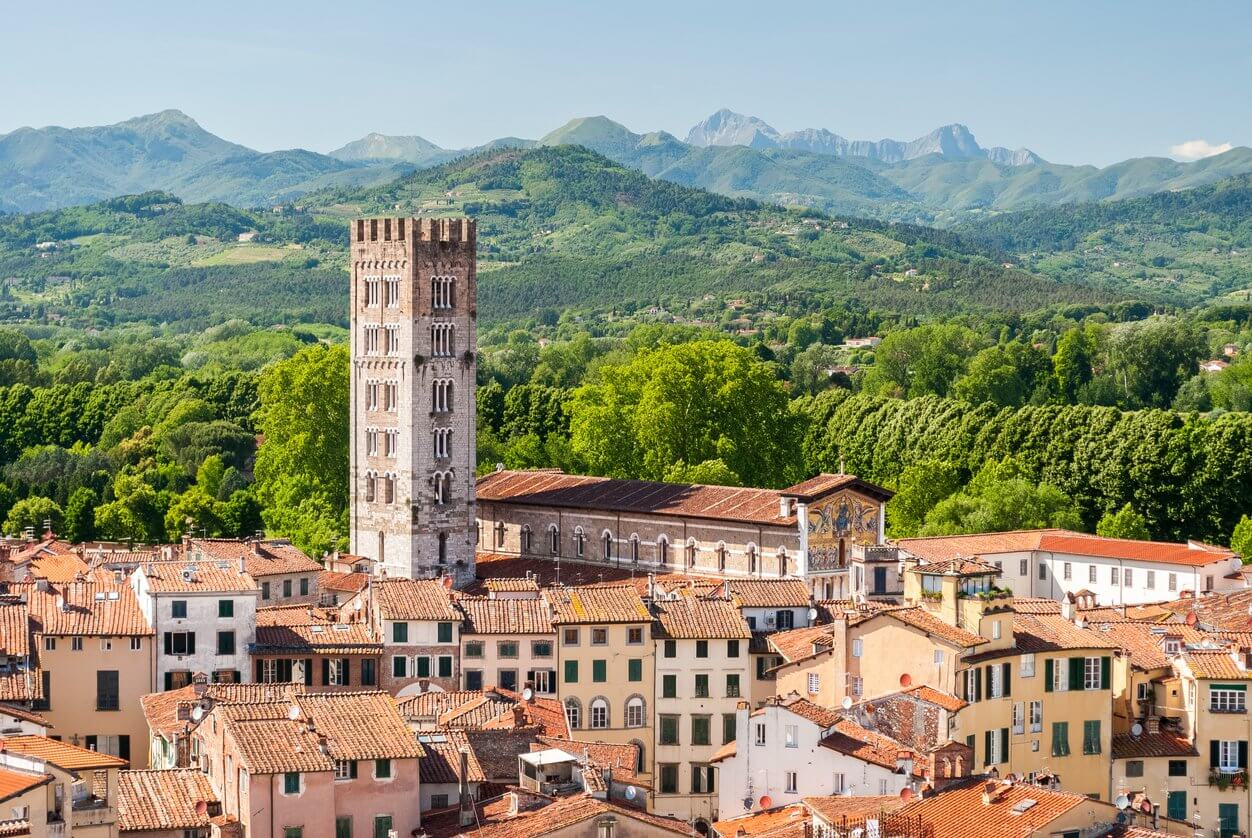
1173,646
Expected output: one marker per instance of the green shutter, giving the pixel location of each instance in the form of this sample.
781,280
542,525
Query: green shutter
1105,666
1176,805
571,672
1075,673
977,684
1004,744
1047,675
423,666
1006,678
1243,753
1214,753
599,671
969,741
986,741
634,669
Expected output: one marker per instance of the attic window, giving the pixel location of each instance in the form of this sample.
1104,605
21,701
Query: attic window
1024,806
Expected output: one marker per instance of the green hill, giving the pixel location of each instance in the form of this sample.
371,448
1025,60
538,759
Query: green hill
560,228
1192,245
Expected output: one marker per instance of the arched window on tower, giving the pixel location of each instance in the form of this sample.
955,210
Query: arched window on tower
662,549
782,562
554,539
752,568
499,534
634,549
606,541
443,548
721,555
580,541
526,538
691,552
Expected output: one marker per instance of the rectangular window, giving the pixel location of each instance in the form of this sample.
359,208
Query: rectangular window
225,608
728,728
669,730
1067,571
702,685
399,632
700,730
369,677
399,666
759,737
507,649
634,636
178,609
474,649
1091,737
814,683
1036,717
421,666
445,633
701,779
1134,768
1228,760
1177,768
291,783
791,736
345,769
1060,739
136,643
107,696
265,590
1023,567
857,645
732,648
1027,669
1060,674
1091,574
1019,718
599,671
1113,575
791,782
286,588
671,649
669,778
1091,674
473,679
304,586
732,685
1128,577
1228,698
1172,581
938,657
343,827
1151,579
293,832
445,666
571,672
226,643
49,644
702,648
669,686
541,649
382,769
634,669
995,682
857,684
1043,572
178,642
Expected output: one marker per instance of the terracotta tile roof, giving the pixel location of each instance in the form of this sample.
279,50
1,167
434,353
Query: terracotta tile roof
25,715
61,754
771,593
197,577
1220,665
348,583
621,759
870,746
545,571
505,616
1145,642
1052,632
161,800
597,604
571,811
1225,611
942,548
947,701
18,828
161,710
802,707
1163,744
271,557
923,620
296,615
442,762
277,746
959,812
700,619
359,725
959,567
13,783
505,584
58,567
776,823
431,705
1035,605
688,500
44,547
832,809
801,643
320,639
821,485
490,709
15,627
95,608
724,752
21,685
413,599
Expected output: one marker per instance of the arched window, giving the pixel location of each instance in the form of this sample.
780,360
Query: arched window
598,710
441,291
441,395
634,548
752,568
640,761
691,552
662,550
782,562
721,555
580,541
607,543
443,548
573,713
370,493
389,488
443,487
526,538
499,534
554,539
636,710
478,539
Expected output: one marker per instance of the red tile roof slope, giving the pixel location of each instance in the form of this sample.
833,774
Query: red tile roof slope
161,800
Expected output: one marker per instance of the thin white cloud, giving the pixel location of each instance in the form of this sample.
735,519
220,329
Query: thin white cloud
1198,149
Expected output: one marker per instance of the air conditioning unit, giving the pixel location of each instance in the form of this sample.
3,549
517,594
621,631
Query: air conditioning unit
769,620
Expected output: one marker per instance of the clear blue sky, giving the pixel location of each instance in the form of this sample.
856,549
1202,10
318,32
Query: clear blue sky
1075,81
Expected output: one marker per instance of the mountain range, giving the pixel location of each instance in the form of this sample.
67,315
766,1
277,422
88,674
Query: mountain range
941,178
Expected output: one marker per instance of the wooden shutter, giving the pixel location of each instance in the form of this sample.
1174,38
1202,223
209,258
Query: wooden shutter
347,671
986,740
1075,673
1006,679
1004,744
308,672
1105,666
1243,753
1214,753
325,672
169,644
191,642
1047,675
977,685
259,670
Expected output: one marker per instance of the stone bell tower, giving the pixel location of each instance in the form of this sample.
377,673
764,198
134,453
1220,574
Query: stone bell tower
413,332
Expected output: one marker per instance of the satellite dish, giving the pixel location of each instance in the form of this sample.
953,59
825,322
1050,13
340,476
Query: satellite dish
293,712
202,808
1136,730
197,713
906,680
812,614
528,694
846,704
631,792
1122,801
766,801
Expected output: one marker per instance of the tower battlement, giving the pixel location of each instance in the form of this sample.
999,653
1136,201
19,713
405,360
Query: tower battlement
449,230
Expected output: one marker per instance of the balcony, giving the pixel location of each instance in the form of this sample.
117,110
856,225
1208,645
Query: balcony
1229,778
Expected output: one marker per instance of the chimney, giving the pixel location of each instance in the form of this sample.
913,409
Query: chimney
467,817
514,804
519,715
784,506
1154,724
243,565
651,586
186,543
61,603
1068,608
